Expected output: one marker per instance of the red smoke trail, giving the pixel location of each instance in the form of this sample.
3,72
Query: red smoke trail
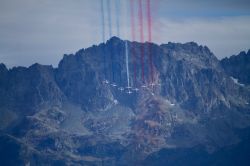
141,38
132,19
149,22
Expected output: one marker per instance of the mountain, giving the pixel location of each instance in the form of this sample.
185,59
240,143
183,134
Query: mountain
238,66
69,116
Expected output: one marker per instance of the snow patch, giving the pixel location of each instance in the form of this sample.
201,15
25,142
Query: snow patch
170,103
116,102
236,81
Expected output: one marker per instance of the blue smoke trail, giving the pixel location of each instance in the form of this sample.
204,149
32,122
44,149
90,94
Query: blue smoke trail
109,18
117,10
110,35
103,38
118,21
103,21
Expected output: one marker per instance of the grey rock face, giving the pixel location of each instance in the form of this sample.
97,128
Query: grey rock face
238,66
68,116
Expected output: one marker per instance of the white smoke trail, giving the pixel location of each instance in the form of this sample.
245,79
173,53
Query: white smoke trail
127,67
126,42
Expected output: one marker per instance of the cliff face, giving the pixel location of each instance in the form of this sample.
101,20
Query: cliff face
67,115
238,66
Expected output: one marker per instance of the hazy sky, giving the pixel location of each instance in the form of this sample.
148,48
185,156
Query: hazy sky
43,30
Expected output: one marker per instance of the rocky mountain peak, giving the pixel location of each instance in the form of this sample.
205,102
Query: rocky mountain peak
248,52
114,40
238,66
69,115
3,70
192,53
3,67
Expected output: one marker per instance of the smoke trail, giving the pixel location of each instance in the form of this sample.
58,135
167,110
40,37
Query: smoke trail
141,38
110,35
149,22
117,10
103,37
118,18
109,18
126,48
141,21
132,20
103,21
127,67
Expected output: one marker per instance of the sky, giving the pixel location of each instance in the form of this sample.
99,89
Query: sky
42,31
